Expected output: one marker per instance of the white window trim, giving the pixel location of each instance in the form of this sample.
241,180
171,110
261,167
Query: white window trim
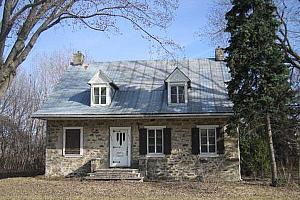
185,92
212,154
108,94
81,142
162,144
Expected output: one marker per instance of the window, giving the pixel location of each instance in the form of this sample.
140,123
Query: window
103,95
208,144
178,94
73,141
155,140
99,95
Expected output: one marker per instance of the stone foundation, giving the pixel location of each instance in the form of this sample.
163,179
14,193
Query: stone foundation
179,165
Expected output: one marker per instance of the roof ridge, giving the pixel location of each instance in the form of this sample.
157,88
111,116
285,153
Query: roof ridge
152,60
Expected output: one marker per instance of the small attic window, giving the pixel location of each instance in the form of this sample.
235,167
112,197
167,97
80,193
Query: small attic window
177,85
102,89
100,95
177,94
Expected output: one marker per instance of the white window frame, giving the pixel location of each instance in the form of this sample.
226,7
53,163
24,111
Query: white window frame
81,142
162,144
208,154
185,93
108,93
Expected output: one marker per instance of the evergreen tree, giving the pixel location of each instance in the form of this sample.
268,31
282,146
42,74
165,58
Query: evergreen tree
259,88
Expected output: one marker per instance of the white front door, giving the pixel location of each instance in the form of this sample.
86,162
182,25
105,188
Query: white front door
120,146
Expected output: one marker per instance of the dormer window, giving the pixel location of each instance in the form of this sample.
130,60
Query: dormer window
177,94
177,85
100,95
102,89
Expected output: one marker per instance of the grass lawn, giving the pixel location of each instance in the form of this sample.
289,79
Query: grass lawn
40,188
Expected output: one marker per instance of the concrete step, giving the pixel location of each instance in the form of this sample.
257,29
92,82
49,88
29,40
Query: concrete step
117,170
113,178
115,174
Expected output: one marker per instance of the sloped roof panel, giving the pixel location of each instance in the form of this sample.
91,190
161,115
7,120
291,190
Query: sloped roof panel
141,89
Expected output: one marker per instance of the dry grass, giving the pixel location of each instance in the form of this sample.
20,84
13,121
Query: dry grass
40,188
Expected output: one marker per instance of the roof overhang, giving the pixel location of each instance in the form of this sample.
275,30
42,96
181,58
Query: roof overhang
130,116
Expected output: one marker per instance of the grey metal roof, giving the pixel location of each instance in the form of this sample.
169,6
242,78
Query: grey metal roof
141,90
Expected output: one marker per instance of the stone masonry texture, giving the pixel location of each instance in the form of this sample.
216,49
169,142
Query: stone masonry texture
179,165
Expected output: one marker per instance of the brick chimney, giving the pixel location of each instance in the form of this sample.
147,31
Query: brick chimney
219,54
78,59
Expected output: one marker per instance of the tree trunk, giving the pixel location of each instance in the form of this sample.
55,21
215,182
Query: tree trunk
272,153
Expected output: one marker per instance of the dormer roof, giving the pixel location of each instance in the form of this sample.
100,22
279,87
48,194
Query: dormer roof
100,77
177,76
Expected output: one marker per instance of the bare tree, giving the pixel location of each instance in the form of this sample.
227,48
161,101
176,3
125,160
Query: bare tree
22,139
288,11
23,22
289,34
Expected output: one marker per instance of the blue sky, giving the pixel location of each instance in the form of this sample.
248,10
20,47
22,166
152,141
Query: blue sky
129,45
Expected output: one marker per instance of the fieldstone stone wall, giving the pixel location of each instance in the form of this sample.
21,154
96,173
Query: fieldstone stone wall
179,165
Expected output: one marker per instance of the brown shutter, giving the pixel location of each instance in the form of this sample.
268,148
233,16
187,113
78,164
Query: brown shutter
143,141
220,141
195,141
167,141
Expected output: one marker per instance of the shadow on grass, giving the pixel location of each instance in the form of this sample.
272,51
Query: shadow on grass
12,174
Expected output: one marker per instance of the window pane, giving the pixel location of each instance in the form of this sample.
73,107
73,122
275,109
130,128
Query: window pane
211,132
159,133
103,91
211,135
180,90
158,141
158,149
181,94
151,141
203,140
151,133
203,148
203,136
96,95
211,140
173,98
181,98
151,149
96,99
174,90
72,142
96,91
212,148
103,99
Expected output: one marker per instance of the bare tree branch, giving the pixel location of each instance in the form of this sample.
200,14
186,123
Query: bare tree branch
23,22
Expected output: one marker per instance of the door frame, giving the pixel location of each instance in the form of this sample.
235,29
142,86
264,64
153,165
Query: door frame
129,145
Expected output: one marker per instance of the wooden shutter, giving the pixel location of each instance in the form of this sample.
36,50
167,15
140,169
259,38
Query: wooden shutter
143,141
220,141
195,141
167,141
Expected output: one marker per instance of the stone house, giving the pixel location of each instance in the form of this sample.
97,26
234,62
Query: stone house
157,119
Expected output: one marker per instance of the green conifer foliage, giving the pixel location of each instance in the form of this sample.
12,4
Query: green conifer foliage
259,88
